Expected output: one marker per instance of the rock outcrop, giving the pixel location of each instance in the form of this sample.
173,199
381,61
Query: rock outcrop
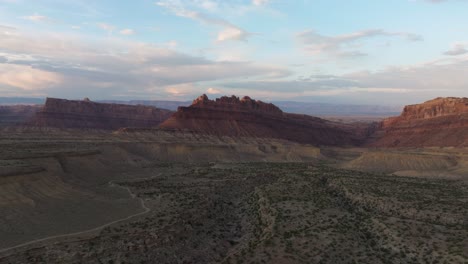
231,116
90,115
440,122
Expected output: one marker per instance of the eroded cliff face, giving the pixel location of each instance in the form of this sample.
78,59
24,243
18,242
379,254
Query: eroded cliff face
231,116
90,115
440,122
436,107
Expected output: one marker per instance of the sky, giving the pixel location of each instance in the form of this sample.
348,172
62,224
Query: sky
333,51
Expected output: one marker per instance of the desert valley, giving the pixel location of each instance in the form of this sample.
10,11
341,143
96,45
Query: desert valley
233,132
231,180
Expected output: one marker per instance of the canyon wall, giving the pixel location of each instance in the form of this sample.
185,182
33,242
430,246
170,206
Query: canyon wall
441,122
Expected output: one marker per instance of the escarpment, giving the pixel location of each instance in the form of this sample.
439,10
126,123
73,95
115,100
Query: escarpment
91,115
441,122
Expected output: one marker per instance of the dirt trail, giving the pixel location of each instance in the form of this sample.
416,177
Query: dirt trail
112,184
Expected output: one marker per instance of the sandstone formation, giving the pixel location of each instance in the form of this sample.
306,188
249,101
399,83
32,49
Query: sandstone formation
231,116
91,115
440,122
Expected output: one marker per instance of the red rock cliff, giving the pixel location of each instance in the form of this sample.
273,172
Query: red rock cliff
231,116
87,114
439,122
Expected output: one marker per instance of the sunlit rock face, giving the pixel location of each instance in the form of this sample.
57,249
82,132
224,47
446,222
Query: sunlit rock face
439,122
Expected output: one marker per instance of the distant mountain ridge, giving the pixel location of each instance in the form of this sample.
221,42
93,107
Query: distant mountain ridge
169,105
21,101
327,109
308,108
11,115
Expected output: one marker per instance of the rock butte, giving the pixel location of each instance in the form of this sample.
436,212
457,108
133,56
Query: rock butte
231,116
90,115
441,122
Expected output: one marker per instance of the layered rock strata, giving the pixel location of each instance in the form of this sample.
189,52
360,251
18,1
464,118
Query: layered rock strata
441,122
232,116
90,115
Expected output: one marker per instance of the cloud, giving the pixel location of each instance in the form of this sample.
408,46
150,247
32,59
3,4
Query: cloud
180,90
111,28
212,90
127,32
38,18
208,5
229,31
313,83
71,66
260,2
457,49
6,28
233,33
394,85
27,78
440,75
345,45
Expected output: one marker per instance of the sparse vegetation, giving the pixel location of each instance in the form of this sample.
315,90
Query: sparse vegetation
280,212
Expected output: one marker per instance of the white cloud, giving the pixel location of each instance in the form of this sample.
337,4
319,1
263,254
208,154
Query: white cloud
38,18
233,33
7,30
68,66
440,75
208,5
171,44
229,31
212,90
401,85
260,2
127,32
27,78
457,49
345,45
180,90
